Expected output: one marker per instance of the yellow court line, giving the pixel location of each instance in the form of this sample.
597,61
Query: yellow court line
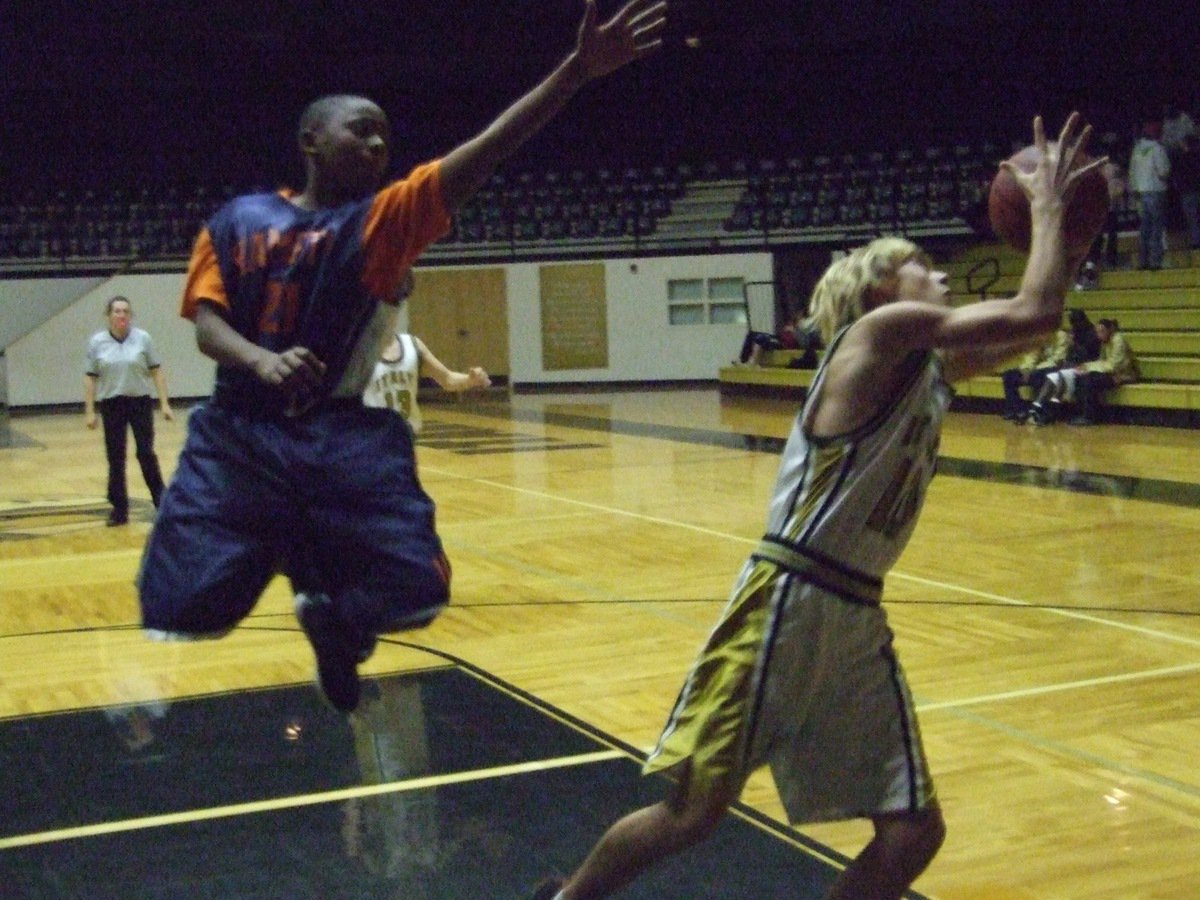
278,803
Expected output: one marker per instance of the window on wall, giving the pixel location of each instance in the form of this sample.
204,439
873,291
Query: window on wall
706,301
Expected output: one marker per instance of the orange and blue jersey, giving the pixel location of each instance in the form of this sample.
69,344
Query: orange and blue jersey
286,277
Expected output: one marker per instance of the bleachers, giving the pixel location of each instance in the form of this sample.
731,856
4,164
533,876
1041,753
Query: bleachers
113,224
932,190
579,206
1159,314
522,208
678,206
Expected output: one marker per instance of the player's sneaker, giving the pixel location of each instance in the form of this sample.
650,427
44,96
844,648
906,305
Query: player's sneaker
337,653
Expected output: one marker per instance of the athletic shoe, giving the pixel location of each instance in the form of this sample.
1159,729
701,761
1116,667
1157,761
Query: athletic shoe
337,654
548,889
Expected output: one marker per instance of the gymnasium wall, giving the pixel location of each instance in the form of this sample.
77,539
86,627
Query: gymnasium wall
45,366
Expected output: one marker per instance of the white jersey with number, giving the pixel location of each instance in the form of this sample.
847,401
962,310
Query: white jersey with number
853,499
800,673
393,384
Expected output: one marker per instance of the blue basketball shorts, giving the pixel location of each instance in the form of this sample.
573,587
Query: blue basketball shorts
331,500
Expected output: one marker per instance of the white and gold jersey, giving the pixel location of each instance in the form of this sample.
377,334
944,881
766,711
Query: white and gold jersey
852,501
394,384
800,673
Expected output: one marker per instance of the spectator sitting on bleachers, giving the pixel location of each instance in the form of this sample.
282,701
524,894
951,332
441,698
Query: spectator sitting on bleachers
1031,371
794,335
1117,365
758,341
1061,385
1058,386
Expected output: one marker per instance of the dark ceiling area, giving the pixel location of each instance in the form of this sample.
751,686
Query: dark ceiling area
125,92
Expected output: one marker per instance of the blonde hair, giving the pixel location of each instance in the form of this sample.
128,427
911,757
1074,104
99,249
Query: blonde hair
843,294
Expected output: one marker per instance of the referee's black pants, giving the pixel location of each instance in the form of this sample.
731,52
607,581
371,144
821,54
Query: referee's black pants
137,414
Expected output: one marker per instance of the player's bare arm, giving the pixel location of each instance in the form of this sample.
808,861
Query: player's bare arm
1036,311
295,371
449,380
913,314
599,50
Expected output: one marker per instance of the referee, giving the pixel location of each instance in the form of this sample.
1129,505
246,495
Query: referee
121,365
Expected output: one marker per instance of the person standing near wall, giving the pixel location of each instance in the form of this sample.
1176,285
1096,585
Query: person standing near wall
1149,169
122,365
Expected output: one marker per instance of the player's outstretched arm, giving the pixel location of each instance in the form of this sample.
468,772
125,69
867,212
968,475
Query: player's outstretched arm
448,380
599,50
977,331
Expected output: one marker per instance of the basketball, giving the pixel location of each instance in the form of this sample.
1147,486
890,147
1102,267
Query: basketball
1008,207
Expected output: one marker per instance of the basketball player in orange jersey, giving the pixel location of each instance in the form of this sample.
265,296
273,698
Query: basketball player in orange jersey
800,673
294,297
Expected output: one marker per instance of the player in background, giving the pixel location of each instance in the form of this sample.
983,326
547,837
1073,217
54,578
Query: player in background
397,376
800,672
294,295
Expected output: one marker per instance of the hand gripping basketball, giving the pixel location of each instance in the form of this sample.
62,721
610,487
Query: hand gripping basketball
1083,186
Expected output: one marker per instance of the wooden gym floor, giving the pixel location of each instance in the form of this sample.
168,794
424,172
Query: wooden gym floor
1046,611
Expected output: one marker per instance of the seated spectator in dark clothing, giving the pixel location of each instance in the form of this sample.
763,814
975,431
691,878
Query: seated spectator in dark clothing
1031,372
794,335
1087,381
1058,385
1085,344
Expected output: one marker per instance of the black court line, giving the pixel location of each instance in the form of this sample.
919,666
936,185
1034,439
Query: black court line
38,518
469,440
447,784
1152,490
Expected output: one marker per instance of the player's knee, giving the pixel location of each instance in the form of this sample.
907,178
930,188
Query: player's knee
932,834
912,841
693,819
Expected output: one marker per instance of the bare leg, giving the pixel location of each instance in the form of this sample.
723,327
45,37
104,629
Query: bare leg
641,839
901,849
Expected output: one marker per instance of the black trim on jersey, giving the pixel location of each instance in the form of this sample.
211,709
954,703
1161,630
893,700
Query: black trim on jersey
778,601
819,516
840,591
918,359
806,465
827,561
907,727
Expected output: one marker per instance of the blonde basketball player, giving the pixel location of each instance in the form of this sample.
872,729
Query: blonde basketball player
799,672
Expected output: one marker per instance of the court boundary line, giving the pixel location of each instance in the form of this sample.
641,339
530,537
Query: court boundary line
1021,693
201,814
615,748
782,830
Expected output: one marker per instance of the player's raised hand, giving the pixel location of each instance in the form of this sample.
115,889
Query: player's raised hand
1058,171
632,33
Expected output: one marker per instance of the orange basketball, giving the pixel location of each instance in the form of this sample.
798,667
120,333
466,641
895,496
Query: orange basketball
1008,207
